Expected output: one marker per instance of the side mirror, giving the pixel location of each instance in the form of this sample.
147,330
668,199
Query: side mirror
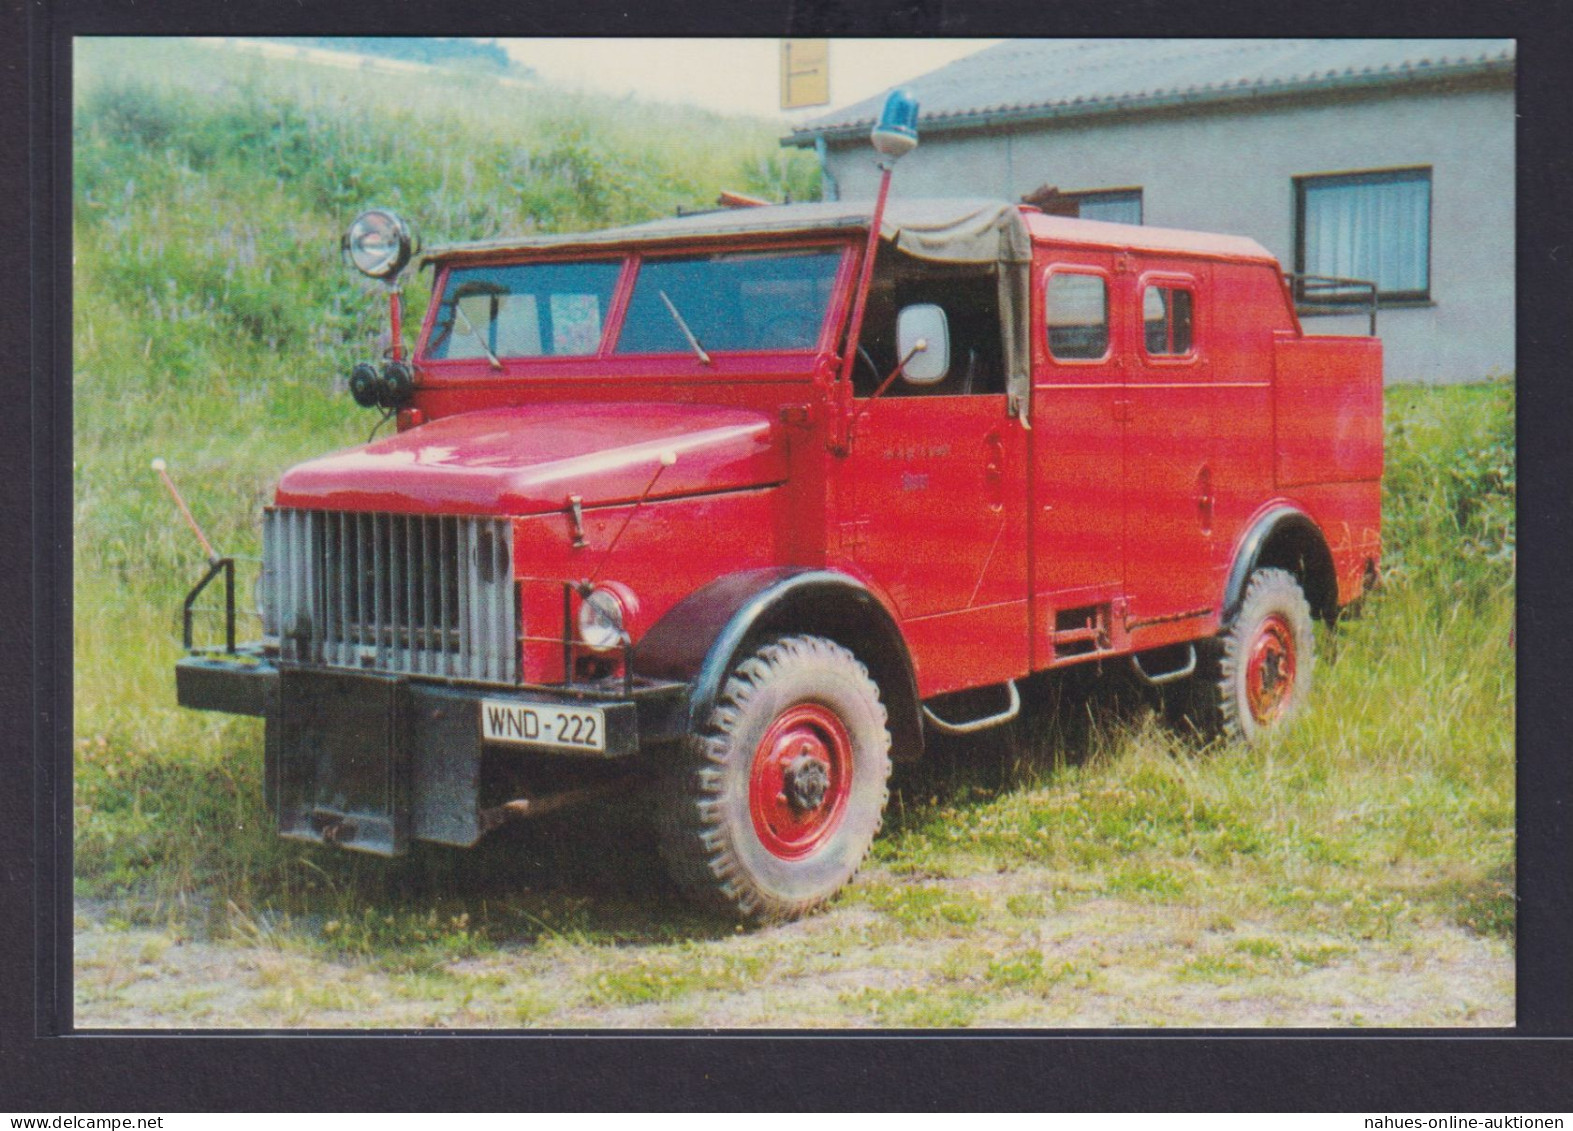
923,340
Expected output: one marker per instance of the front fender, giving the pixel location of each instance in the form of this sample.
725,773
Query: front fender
704,636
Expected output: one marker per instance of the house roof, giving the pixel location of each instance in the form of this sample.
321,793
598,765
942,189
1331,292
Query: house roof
1035,79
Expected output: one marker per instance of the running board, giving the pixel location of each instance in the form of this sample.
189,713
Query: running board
1005,716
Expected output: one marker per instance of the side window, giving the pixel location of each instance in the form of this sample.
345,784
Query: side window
969,296
1077,309
1167,320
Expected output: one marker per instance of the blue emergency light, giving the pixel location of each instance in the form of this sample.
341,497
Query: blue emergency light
896,132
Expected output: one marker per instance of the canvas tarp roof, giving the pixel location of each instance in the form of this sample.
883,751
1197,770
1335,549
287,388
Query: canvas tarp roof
965,230
958,231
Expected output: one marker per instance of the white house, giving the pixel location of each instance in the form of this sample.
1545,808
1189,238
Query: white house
1390,160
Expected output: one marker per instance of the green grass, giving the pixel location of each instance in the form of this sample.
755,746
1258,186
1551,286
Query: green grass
1393,798
213,327
213,324
911,1008
666,978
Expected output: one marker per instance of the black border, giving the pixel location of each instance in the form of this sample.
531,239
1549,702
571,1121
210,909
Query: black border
1376,1072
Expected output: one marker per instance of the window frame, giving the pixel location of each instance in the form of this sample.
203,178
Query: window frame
1126,192
1174,281
429,323
639,259
1109,307
1337,299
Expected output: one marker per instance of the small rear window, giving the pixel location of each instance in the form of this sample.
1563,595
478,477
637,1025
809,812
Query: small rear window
1167,320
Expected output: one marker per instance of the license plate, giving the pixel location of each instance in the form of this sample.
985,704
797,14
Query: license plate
535,724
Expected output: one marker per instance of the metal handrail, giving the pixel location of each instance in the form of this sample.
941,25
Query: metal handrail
1303,285
226,566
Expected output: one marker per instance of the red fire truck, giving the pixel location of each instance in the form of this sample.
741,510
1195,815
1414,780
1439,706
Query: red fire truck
732,505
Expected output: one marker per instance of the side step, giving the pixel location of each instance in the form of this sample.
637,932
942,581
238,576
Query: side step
1012,709
1188,668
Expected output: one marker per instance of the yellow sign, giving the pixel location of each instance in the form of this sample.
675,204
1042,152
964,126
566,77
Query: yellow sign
805,73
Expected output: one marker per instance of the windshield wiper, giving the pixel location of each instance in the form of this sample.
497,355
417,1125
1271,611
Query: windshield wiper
469,328
693,342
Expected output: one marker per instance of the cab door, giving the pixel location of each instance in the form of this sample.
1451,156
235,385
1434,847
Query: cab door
1079,408
934,515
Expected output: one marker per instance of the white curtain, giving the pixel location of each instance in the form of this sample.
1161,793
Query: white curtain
1124,209
1376,229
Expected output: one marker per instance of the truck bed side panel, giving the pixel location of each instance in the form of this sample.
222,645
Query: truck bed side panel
1328,410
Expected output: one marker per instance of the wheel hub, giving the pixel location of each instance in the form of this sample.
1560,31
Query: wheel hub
807,781
1270,669
800,781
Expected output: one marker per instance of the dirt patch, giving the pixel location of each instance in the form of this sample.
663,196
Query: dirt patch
984,951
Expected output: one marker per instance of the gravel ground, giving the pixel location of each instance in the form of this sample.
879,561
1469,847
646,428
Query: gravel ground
1064,963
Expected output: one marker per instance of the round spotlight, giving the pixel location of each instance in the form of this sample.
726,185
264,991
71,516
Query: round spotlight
378,244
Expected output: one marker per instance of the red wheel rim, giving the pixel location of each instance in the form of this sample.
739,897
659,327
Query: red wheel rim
800,781
1269,669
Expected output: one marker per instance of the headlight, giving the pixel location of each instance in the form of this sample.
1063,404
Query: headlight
604,616
379,243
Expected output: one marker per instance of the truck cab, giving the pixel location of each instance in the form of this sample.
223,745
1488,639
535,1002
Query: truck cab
719,508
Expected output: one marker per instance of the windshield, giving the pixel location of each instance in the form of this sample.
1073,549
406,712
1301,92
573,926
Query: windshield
765,300
536,310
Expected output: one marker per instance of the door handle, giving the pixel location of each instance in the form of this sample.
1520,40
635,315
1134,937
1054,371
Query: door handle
1204,498
994,463
1122,410
994,470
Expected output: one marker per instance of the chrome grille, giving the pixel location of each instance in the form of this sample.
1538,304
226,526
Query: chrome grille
422,594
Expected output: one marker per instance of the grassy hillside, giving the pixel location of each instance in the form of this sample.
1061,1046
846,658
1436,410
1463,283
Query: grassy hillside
213,326
214,323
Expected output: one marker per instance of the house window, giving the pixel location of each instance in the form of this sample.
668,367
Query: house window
1119,206
1077,317
1371,226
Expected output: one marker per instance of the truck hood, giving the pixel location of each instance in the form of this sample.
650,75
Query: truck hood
528,459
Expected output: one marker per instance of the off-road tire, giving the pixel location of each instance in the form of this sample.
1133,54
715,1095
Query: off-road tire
1261,663
728,837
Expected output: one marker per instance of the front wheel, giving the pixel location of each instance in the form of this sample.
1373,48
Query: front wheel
1265,659
767,811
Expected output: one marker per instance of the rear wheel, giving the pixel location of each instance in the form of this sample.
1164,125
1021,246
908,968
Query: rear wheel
769,809
1263,673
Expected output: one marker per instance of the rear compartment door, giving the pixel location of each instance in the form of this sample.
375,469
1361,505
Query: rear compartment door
1172,448
1197,446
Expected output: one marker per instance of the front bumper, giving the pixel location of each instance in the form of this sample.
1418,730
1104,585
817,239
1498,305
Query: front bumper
371,761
